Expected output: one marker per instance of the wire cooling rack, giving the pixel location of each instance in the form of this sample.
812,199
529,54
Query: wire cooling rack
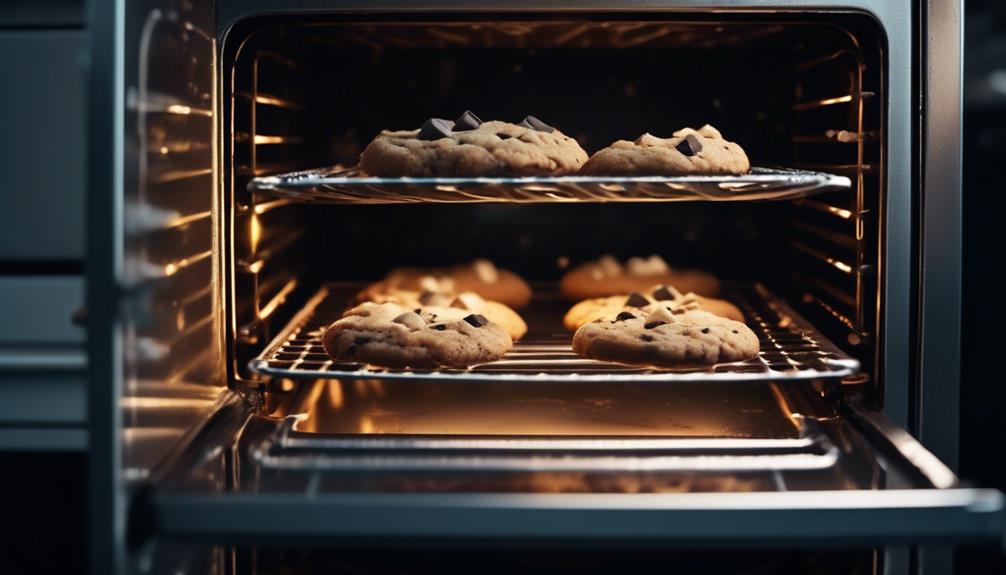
791,348
347,185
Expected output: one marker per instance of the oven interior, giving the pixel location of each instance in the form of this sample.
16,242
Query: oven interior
794,92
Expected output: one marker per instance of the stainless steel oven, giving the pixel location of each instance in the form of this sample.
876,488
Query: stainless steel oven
224,441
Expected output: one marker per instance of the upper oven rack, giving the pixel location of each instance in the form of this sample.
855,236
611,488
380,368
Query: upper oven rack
348,185
791,348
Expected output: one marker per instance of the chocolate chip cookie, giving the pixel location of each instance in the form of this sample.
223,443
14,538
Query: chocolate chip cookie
468,146
662,336
494,311
391,335
687,152
607,277
480,276
588,310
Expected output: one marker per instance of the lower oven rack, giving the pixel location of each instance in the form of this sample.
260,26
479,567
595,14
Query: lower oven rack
286,448
791,348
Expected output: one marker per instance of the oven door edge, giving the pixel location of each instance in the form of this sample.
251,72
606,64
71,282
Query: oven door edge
944,512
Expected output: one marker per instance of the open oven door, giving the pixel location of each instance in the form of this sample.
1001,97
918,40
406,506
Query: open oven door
153,310
805,466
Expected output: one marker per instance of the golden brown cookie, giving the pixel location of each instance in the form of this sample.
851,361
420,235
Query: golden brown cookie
661,336
479,276
494,311
607,276
469,147
391,335
687,152
588,310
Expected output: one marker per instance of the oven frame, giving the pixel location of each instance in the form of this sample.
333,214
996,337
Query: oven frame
921,246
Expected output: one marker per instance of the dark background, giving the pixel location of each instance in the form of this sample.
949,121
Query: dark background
983,390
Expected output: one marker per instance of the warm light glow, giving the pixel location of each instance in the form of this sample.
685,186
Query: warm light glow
844,214
266,206
822,103
366,424
376,386
179,109
171,268
335,397
256,232
838,100
275,101
263,139
164,402
841,265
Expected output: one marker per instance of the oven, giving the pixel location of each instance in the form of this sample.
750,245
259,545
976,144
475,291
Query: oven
225,441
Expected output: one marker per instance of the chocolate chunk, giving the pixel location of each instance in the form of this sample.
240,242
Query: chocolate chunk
536,124
646,337
503,136
663,294
418,310
705,330
690,146
734,331
435,128
477,320
637,299
677,311
624,316
360,340
439,327
654,324
467,121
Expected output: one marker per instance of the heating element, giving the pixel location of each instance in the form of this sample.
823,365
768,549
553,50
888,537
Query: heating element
790,347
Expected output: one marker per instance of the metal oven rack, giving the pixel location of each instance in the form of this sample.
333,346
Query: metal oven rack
342,185
791,349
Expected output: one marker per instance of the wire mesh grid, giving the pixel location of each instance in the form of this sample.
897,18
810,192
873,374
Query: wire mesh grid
344,185
791,349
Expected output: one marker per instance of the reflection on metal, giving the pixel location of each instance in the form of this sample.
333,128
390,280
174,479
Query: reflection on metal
856,305
591,427
171,341
823,102
822,207
791,349
589,411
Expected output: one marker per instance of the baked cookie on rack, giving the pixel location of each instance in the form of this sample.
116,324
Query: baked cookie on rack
595,308
687,152
392,335
468,146
607,276
494,311
664,336
480,276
